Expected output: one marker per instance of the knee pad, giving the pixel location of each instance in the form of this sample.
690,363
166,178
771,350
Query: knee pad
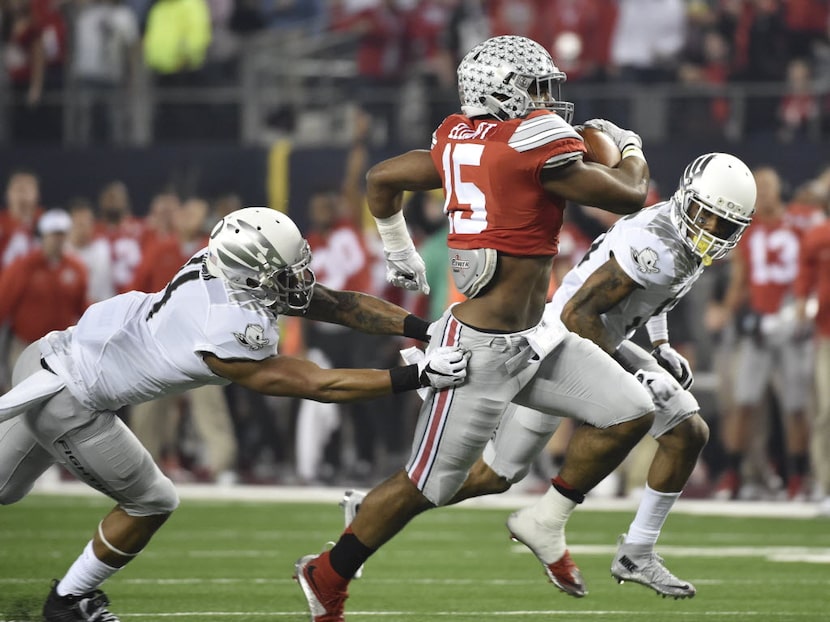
12,494
159,498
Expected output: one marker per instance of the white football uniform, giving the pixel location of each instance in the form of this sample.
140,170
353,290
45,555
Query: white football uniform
648,247
127,349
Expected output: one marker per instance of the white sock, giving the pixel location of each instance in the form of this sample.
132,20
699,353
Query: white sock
86,574
651,515
553,511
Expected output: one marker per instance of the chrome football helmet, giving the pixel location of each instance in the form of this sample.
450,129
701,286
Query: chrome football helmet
720,184
508,76
259,252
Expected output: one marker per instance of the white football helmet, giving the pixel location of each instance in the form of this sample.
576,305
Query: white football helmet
723,185
508,76
261,252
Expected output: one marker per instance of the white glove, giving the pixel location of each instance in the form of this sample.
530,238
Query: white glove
622,138
406,269
675,363
443,367
661,387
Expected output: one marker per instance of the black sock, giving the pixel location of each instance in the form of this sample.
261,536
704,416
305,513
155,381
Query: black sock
734,460
799,464
566,490
348,554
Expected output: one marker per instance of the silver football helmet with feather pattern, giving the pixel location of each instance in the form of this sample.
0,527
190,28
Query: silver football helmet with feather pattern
507,77
260,252
721,184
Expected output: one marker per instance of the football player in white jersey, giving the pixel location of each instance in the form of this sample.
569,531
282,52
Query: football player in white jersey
214,323
630,277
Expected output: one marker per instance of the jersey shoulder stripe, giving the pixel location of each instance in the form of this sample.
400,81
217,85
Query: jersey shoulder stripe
539,131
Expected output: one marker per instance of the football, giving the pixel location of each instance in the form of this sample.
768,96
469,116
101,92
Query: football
601,149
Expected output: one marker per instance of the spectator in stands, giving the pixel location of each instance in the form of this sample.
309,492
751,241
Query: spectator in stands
93,251
17,221
104,67
647,50
764,269
381,53
125,233
160,222
33,34
45,289
469,25
176,41
798,110
156,423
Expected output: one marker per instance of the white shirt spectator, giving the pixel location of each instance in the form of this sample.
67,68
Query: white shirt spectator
104,34
648,32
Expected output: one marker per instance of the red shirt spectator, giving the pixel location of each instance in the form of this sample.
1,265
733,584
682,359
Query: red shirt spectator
380,52
17,221
814,273
44,290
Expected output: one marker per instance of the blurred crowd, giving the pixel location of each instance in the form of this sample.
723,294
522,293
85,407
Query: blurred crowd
750,327
65,59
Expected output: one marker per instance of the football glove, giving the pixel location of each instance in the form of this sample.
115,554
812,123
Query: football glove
443,367
406,269
622,138
675,363
660,386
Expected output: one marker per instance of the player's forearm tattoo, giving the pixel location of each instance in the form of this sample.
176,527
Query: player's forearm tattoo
356,310
588,305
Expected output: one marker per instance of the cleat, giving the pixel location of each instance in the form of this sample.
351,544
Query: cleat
639,563
351,504
562,572
324,605
91,607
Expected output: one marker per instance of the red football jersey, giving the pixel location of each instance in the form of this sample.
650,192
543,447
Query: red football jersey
491,176
770,250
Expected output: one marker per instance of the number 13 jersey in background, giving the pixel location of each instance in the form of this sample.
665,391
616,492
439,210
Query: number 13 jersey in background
491,176
136,346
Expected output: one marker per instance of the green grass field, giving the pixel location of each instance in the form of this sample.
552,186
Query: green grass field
232,561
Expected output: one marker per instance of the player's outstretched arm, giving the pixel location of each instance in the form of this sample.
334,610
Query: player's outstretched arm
387,181
621,190
604,289
294,377
365,313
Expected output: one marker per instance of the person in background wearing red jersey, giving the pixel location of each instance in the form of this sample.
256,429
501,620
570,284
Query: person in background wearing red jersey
17,221
764,268
127,235
814,279
45,289
155,423
507,163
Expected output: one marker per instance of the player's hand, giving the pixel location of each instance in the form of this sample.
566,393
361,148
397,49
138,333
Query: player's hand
661,387
443,367
406,269
675,363
622,138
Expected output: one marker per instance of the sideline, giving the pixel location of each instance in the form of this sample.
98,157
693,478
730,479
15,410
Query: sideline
509,500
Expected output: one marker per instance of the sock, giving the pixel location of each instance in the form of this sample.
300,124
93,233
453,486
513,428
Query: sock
86,574
567,490
553,510
651,514
799,464
348,554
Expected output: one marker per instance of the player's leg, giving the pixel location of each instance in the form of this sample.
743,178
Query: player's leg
580,381
795,368
681,435
453,428
101,451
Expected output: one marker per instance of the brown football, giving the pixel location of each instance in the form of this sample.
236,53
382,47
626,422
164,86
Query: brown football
601,149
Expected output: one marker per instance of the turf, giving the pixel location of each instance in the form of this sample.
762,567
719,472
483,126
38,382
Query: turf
232,561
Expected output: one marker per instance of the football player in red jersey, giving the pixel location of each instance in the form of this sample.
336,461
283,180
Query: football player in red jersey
507,165
760,298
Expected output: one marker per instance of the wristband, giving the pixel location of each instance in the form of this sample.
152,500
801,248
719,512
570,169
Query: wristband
415,327
393,233
405,378
633,151
658,328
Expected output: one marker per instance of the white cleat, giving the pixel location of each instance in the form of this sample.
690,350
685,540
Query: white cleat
351,504
639,563
547,544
